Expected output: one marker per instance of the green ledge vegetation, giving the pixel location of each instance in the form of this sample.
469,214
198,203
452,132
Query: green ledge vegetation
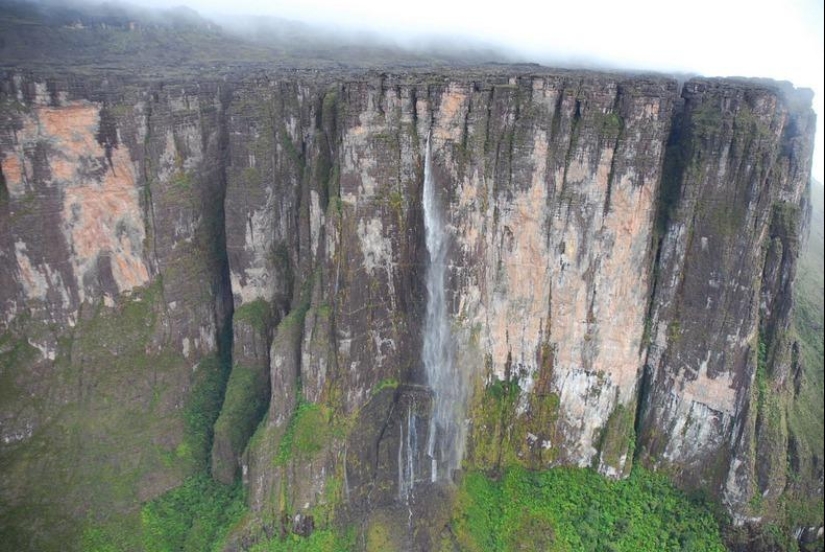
573,509
557,510
255,313
194,517
306,433
325,540
388,383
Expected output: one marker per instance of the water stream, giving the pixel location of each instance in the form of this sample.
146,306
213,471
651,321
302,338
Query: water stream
445,440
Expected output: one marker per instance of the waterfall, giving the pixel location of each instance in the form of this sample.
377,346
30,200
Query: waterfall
406,462
445,440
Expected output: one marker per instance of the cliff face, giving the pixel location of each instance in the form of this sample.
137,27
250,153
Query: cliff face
619,268
112,296
719,350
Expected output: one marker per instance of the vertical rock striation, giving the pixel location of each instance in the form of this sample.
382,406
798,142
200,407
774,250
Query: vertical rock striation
555,192
730,214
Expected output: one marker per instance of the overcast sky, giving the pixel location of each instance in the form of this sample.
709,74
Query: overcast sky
754,38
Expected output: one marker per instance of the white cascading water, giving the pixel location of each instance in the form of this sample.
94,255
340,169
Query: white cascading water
445,442
406,462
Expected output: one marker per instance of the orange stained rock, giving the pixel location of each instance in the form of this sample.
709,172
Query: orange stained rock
14,173
450,121
101,214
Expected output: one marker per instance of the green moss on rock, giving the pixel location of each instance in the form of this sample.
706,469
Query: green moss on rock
307,433
618,439
255,313
111,437
244,404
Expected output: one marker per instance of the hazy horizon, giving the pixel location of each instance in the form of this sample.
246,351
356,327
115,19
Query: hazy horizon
724,38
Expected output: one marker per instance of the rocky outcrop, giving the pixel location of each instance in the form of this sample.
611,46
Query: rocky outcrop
720,311
113,296
621,252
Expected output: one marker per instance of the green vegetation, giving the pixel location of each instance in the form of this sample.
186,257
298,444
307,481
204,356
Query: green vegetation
202,410
244,405
298,314
396,202
323,540
14,352
306,434
706,120
200,514
203,407
291,149
747,123
193,515
255,313
182,180
674,331
761,378
771,427
113,434
570,510
494,441
329,108
619,437
389,383
191,518
609,125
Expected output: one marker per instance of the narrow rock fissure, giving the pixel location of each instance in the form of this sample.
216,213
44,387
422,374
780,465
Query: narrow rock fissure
4,190
148,205
643,393
487,124
611,175
669,193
